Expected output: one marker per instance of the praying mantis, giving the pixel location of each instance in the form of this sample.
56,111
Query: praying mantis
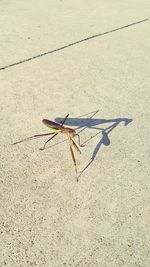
57,128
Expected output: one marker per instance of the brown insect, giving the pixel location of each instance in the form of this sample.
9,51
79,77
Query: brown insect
57,128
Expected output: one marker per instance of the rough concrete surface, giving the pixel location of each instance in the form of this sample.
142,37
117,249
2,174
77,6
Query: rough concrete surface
46,217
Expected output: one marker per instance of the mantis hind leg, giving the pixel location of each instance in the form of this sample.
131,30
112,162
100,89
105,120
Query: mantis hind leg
31,138
63,121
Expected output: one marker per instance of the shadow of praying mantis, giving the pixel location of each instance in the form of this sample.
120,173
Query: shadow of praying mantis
83,123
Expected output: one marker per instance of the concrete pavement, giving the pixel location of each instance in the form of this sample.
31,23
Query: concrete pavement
47,218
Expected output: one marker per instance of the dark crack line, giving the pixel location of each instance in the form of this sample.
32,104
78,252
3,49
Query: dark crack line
66,46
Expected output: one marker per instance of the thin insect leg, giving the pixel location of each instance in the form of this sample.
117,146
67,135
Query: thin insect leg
79,141
63,121
72,154
48,141
32,137
76,147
